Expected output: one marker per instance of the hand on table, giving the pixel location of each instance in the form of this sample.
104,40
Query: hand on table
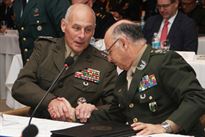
60,109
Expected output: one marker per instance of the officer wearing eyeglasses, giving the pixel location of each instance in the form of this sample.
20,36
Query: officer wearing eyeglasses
157,92
181,31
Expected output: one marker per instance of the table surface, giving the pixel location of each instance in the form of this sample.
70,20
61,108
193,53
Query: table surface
14,125
9,43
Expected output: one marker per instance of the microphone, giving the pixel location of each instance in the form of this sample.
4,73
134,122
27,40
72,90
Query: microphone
69,61
30,131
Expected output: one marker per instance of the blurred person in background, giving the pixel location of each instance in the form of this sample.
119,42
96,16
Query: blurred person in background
7,13
172,27
196,12
34,18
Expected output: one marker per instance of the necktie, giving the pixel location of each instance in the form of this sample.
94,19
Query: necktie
163,37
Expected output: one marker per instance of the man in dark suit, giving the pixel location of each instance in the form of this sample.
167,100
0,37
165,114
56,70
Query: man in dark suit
34,18
196,12
91,78
182,31
7,13
157,92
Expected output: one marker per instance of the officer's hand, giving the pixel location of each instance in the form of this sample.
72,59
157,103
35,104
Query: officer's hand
147,129
60,109
83,111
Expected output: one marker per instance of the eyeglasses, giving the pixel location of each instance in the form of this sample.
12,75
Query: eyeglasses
107,51
164,6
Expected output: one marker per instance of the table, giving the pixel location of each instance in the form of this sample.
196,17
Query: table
198,64
14,125
201,45
9,46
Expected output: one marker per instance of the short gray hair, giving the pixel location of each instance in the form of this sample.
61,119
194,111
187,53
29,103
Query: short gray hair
131,30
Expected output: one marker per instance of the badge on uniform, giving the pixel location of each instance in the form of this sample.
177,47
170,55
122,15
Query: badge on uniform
147,82
153,106
89,74
36,12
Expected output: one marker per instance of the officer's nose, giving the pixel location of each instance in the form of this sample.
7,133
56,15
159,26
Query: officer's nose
82,34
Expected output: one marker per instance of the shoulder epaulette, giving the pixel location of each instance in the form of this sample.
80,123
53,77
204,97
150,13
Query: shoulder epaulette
47,38
159,51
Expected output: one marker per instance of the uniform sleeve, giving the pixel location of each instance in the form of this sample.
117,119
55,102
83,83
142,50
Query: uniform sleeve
180,82
25,88
56,10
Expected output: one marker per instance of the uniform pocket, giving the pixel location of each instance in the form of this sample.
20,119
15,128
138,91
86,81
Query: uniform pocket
85,86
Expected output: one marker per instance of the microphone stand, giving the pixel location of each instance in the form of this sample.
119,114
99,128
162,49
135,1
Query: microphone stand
50,88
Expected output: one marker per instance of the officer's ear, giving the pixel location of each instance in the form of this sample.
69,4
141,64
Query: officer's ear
124,41
63,25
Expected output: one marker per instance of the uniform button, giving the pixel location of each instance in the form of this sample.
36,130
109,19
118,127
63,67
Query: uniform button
131,105
22,28
60,84
85,83
27,60
119,105
37,21
135,120
26,50
24,39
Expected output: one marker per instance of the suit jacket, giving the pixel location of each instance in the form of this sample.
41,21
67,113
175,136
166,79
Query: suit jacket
7,16
45,64
164,86
40,18
182,35
198,15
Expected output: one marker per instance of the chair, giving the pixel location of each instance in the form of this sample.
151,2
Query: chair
20,111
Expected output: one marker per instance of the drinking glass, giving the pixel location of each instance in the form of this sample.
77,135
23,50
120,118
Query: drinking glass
165,45
3,26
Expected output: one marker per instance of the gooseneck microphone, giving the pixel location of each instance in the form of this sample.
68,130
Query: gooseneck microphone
31,128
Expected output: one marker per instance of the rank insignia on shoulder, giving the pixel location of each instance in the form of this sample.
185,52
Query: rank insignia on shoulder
159,51
147,82
142,65
88,74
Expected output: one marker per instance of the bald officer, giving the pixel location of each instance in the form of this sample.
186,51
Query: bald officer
90,79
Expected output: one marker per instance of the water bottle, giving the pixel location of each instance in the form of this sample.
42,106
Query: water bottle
142,23
155,41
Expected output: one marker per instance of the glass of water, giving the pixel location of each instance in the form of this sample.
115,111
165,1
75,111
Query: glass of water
165,45
3,26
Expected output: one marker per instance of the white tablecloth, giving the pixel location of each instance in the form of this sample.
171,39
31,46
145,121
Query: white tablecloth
201,45
15,67
14,125
9,46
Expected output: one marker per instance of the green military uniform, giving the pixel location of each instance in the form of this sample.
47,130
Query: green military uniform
91,76
163,87
39,18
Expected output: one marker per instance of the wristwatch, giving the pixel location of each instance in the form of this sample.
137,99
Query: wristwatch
167,127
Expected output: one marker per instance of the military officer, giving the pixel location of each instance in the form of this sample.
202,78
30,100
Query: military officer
158,91
90,79
34,18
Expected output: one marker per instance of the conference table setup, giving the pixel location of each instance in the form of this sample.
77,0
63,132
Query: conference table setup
11,64
13,126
